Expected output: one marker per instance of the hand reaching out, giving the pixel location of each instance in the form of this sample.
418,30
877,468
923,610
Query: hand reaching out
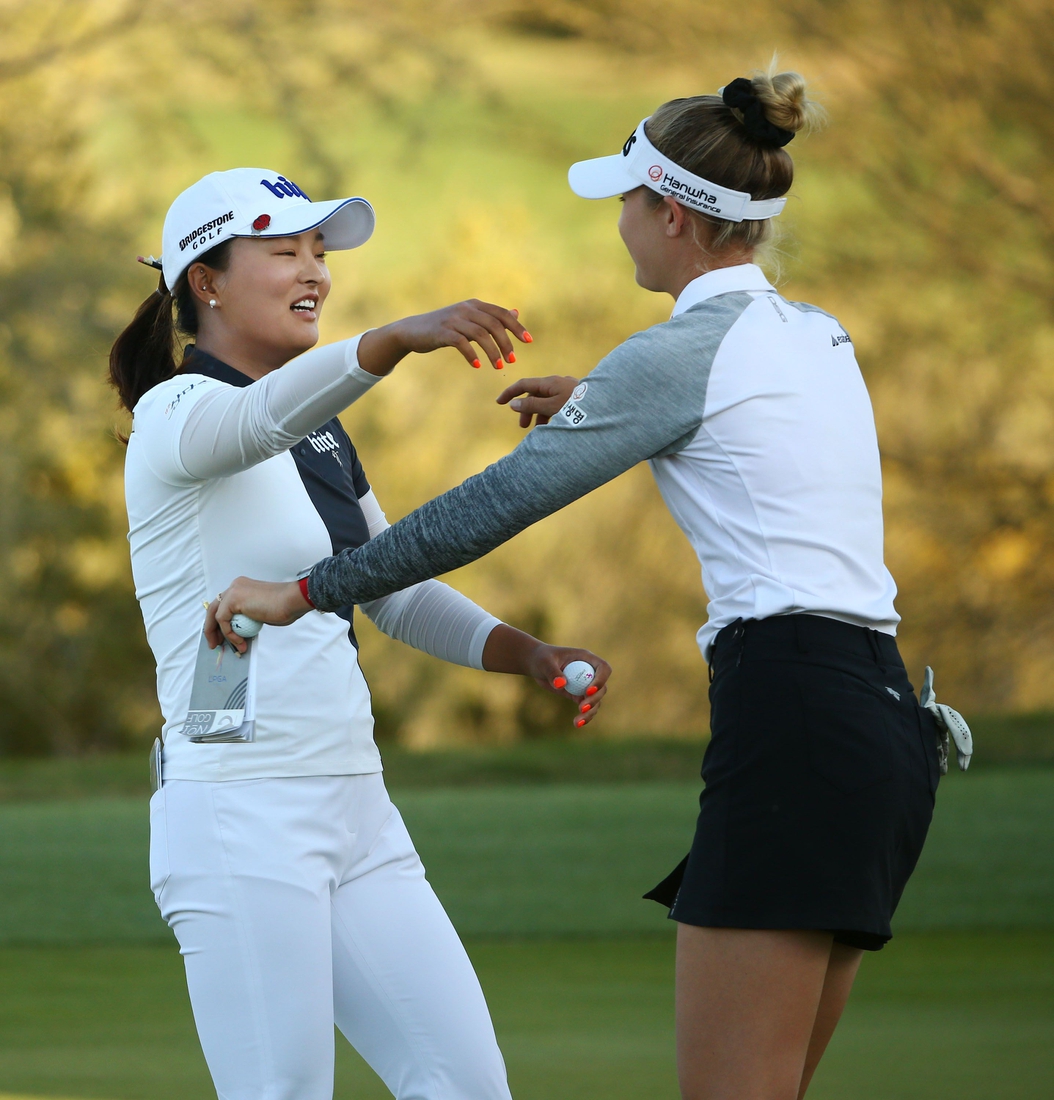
460,326
545,397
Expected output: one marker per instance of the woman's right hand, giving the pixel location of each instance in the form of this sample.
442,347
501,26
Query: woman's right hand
458,326
541,397
278,604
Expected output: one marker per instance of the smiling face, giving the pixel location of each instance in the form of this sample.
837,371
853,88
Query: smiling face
268,301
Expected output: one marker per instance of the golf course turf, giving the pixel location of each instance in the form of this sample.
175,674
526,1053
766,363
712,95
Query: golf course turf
544,882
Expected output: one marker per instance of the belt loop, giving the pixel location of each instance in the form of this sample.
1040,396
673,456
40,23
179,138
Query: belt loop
739,639
872,640
734,638
799,641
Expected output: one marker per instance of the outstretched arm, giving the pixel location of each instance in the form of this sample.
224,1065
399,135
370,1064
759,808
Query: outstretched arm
230,429
631,408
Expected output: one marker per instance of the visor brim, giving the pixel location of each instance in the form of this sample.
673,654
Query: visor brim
345,223
601,178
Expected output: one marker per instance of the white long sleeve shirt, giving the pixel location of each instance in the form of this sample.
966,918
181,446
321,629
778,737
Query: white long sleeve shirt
227,477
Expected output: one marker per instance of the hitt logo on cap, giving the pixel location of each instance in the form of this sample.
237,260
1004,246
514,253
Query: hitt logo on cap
283,187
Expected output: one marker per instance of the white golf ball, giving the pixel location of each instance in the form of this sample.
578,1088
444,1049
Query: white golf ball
579,676
245,627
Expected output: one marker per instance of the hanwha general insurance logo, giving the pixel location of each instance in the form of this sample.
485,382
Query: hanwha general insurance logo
655,172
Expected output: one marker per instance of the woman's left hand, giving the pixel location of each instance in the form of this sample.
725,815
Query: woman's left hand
547,663
510,650
462,326
265,601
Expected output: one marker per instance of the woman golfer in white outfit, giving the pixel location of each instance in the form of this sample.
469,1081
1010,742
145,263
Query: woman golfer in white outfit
821,771
279,862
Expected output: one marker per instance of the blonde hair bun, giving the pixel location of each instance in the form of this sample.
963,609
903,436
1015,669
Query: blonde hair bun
785,103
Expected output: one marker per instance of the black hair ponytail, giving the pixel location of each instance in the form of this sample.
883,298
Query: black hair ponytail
144,354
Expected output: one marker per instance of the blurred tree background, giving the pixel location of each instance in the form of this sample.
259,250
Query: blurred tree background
922,217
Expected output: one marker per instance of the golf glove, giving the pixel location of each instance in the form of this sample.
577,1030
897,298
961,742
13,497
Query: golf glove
949,722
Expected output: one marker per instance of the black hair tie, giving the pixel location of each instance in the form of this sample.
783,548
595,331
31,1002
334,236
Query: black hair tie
740,95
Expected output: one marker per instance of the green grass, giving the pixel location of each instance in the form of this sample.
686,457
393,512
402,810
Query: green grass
528,762
544,879
963,1016
1013,739
536,860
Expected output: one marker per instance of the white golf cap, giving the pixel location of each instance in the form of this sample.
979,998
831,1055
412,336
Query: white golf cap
641,164
253,202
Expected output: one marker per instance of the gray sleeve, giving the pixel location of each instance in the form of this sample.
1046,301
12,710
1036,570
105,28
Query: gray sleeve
644,399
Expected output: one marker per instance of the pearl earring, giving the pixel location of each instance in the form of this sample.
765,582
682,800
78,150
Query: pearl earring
212,303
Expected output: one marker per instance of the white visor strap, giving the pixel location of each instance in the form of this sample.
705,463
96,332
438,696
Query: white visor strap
645,163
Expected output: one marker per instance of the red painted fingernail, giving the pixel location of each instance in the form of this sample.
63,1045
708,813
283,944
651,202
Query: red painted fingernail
512,357
580,723
585,707
499,365
592,689
560,681
477,364
527,337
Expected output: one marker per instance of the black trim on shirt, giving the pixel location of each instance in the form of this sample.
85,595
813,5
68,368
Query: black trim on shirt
328,466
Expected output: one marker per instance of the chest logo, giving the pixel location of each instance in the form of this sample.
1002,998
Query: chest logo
325,442
171,407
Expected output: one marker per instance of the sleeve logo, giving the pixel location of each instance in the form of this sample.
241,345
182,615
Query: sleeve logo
571,414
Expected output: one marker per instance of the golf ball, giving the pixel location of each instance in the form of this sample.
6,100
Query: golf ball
245,627
579,676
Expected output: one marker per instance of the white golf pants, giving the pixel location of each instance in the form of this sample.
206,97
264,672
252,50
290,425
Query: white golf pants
300,903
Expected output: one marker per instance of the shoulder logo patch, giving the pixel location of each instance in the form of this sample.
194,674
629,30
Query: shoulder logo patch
579,391
571,414
840,338
170,408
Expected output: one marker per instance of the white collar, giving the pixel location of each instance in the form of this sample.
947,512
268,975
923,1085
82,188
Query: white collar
722,280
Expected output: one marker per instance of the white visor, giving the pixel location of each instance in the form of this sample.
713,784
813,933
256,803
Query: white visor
641,164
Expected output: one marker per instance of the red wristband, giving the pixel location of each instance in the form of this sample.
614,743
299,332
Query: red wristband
304,592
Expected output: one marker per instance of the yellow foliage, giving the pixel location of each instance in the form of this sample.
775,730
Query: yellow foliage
921,217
